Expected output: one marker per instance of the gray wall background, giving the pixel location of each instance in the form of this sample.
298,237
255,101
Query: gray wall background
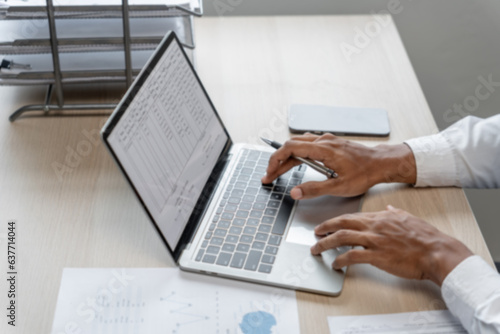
450,43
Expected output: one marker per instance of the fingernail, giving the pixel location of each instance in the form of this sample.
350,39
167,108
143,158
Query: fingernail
390,207
296,193
313,248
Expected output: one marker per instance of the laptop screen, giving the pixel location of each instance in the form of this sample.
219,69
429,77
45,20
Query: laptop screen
168,139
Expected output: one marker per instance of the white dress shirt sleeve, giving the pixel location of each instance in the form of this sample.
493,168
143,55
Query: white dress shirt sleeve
472,293
467,154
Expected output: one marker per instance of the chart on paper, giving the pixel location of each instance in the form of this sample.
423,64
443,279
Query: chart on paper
169,301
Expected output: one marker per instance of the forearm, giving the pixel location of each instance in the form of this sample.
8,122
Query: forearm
393,163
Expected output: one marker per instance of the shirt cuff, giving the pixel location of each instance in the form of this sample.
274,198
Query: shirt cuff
436,164
467,287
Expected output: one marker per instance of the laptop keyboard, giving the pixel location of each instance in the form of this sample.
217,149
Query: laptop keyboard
248,226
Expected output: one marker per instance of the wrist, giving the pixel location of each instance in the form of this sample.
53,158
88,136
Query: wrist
393,163
443,259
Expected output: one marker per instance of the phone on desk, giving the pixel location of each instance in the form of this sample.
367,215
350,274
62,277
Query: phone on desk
341,121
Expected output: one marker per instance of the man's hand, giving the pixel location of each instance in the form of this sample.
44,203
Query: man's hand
359,167
394,241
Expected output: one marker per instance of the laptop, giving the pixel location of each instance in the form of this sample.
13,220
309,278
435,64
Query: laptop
203,192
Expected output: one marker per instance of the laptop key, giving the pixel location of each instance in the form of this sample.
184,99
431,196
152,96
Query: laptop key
243,248
242,214
251,191
199,256
224,224
249,198
246,238
212,227
240,185
239,222
265,268
274,240
227,216
253,155
243,178
269,259
265,228
265,155
235,230
232,239
271,250
213,250
234,200
270,212
283,215
250,230
263,162
260,170
220,232
254,183
253,222
253,260
255,214
246,206
273,204
231,208
208,235
237,193
228,248
204,244
262,198
279,189
238,260
267,220
260,206
257,176
250,163
223,259
258,245
209,258
216,241
261,237
246,171
277,196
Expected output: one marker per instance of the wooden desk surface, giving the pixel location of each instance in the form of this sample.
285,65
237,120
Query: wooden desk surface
77,211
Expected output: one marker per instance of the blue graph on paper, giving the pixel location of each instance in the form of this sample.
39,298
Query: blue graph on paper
257,323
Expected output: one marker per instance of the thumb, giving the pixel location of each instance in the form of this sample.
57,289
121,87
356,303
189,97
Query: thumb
311,189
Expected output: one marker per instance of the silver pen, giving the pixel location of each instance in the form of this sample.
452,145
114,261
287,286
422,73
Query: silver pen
317,166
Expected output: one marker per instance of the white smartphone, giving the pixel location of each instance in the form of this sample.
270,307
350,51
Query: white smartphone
341,121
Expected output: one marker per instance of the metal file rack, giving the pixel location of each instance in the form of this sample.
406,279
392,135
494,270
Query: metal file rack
180,17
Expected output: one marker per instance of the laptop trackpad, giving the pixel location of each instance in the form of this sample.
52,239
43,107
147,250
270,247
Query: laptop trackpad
311,212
